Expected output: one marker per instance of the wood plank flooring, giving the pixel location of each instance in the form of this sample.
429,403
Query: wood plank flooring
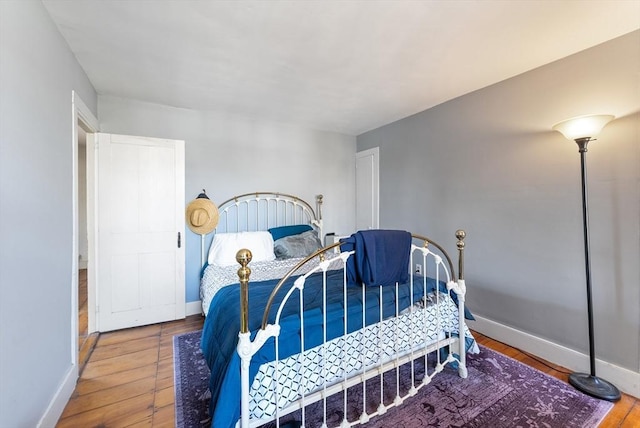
86,341
128,380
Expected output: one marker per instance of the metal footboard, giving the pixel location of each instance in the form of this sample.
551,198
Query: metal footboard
363,354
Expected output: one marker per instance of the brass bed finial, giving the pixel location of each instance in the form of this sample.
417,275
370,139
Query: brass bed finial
460,234
243,257
319,205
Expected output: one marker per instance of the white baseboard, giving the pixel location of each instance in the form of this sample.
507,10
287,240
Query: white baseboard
60,399
626,380
193,308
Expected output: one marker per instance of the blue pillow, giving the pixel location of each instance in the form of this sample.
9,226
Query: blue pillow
283,231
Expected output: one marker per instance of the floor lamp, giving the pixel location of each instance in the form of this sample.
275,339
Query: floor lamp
582,130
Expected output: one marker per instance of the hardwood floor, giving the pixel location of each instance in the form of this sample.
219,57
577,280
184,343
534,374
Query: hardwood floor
128,380
86,341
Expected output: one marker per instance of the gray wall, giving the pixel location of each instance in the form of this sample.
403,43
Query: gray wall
37,74
228,156
489,162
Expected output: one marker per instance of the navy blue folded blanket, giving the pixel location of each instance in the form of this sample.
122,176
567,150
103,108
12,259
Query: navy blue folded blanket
381,257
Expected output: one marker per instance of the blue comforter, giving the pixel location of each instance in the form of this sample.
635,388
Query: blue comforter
221,327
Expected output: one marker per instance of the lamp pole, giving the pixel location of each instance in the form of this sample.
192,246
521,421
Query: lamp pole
582,148
589,383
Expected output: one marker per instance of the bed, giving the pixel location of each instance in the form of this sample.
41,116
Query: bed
298,323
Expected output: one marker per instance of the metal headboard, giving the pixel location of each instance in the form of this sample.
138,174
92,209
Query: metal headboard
263,210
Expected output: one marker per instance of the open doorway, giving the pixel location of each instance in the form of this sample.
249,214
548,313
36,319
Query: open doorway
82,340
86,341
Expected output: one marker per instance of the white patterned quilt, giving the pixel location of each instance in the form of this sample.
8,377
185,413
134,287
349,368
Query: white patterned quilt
347,354
216,277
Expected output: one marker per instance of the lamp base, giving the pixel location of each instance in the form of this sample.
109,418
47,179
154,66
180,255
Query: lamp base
594,386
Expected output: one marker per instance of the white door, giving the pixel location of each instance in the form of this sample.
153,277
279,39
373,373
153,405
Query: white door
367,189
140,231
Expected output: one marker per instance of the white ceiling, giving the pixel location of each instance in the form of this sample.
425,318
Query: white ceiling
345,66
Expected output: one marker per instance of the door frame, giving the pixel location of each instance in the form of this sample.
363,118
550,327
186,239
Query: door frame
80,114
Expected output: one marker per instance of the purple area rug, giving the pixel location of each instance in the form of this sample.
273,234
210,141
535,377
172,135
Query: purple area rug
499,392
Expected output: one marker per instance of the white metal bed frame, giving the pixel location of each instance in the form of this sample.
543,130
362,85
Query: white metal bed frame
247,348
263,210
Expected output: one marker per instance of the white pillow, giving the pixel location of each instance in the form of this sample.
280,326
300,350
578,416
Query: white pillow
225,246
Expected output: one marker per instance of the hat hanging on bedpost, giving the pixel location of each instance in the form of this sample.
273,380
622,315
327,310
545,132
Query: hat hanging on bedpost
202,214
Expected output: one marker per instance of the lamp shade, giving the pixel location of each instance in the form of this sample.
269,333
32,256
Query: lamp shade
583,126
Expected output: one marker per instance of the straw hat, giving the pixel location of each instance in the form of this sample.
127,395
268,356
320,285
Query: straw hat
202,215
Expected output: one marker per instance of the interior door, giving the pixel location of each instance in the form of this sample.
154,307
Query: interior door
367,189
140,231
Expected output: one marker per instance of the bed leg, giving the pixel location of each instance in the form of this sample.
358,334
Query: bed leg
462,350
462,366
462,371
244,349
